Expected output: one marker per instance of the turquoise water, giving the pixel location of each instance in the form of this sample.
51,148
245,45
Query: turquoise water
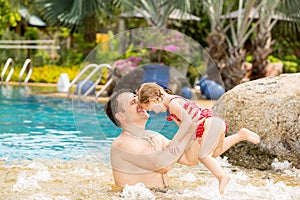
36,126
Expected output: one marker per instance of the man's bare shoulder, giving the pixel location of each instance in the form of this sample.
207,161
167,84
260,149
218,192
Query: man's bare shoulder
163,141
129,144
120,141
132,144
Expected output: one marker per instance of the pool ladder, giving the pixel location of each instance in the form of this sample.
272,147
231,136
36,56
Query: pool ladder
96,68
12,69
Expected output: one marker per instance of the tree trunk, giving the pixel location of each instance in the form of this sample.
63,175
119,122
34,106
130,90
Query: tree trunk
262,49
223,69
233,73
89,34
217,52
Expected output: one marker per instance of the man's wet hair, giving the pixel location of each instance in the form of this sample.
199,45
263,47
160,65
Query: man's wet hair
112,106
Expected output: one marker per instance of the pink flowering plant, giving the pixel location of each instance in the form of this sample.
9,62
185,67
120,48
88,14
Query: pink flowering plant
154,48
126,65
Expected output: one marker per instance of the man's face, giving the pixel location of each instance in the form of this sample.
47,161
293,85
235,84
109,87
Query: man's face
154,105
132,111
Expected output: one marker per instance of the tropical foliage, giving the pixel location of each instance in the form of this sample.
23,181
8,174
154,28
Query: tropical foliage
8,17
226,42
78,15
155,12
229,40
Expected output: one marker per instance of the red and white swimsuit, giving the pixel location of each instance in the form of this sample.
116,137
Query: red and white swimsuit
204,113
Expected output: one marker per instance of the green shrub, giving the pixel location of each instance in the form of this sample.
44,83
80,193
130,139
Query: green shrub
290,63
291,67
46,74
51,74
273,59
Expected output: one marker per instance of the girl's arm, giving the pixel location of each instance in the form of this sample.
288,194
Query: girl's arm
186,121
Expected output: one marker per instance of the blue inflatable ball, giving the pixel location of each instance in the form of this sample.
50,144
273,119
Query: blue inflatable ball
213,90
85,87
186,92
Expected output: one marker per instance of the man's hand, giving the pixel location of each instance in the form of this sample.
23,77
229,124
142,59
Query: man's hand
173,147
194,114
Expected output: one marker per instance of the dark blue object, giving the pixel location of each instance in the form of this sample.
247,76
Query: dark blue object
211,89
186,92
202,83
159,74
85,87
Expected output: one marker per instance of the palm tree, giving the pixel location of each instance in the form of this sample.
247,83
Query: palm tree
226,40
270,13
155,12
78,15
217,46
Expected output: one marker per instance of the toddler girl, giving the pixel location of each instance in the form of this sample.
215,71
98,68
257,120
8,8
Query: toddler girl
210,131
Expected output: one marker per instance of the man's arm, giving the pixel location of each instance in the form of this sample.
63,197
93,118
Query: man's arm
186,121
164,159
145,162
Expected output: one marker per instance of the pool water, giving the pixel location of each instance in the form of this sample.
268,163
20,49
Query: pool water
35,126
54,148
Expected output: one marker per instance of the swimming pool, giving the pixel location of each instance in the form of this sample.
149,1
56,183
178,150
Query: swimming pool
49,145
35,126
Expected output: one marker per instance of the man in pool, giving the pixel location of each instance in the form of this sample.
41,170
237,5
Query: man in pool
144,156
139,155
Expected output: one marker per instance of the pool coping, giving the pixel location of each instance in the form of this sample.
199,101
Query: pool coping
202,102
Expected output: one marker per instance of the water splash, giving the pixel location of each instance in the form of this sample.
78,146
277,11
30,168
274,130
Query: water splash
25,181
85,179
137,192
280,165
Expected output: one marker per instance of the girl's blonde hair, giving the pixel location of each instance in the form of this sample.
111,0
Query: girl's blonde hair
149,91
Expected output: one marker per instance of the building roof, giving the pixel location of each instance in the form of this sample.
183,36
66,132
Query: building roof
254,14
176,15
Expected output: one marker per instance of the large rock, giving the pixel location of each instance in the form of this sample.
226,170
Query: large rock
270,107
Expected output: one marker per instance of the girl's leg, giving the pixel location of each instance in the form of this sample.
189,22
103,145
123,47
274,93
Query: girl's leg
243,135
213,166
212,139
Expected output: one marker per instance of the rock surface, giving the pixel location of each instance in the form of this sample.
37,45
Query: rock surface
271,108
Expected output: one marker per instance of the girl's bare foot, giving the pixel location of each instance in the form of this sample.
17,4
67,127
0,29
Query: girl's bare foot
250,136
223,181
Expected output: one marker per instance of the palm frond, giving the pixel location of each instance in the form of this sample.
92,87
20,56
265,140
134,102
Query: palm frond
69,13
290,14
155,12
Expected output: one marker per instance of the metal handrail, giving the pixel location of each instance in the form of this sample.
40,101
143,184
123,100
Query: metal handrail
78,76
25,65
87,79
81,73
106,84
8,62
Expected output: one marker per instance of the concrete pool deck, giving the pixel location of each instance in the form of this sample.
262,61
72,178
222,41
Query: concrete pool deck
202,102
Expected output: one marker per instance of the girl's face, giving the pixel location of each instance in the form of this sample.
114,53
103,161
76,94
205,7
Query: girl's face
155,106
